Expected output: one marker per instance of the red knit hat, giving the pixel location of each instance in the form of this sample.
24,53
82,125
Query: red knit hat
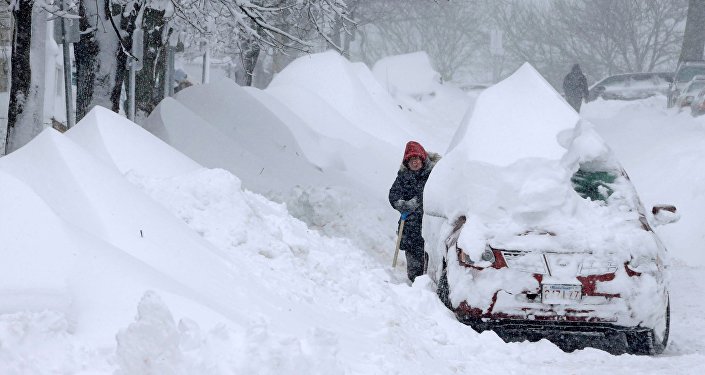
414,149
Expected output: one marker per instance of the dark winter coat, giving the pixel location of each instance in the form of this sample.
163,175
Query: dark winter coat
575,87
409,185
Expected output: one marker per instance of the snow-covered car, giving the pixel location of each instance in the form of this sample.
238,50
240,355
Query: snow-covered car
535,231
631,86
689,91
697,107
684,73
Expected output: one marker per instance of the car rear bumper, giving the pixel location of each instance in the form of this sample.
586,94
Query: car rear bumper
593,309
567,335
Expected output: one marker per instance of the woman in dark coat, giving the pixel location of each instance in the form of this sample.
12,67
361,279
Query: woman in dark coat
575,87
406,196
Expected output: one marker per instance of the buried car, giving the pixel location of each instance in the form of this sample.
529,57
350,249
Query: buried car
539,233
631,86
690,91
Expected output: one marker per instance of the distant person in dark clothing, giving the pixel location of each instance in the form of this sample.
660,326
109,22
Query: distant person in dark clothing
575,87
406,196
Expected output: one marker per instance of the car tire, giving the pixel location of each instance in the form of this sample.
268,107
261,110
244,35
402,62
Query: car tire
647,342
443,290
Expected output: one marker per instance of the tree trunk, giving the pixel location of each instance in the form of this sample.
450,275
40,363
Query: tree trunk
694,36
20,80
85,53
149,90
249,61
99,58
26,105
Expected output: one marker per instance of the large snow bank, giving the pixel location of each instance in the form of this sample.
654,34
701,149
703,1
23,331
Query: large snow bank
417,89
410,74
348,169
352,91
83,241
220,125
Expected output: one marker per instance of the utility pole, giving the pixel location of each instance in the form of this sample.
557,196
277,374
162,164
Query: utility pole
134,64
172,41
205,76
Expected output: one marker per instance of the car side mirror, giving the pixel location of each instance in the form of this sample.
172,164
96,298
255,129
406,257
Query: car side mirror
665,214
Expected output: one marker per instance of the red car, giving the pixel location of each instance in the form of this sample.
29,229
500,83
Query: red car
525,286
534,230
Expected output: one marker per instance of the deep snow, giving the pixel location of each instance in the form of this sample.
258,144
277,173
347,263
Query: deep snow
123,255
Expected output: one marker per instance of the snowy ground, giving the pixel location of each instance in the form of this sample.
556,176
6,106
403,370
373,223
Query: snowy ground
122,255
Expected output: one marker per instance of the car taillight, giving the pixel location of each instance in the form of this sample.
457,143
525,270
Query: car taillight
630,271
641,264
487,259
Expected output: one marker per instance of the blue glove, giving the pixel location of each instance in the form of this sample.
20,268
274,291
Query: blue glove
404,215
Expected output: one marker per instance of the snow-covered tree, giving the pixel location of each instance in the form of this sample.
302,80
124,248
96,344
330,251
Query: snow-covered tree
101,55
452,33
279,30
604,36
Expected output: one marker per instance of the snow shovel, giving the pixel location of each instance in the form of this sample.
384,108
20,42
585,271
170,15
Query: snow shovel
401,230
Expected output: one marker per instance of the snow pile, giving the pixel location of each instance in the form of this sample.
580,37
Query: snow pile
351,90
407,75
101,245
523,129
350,171
416,88
220,125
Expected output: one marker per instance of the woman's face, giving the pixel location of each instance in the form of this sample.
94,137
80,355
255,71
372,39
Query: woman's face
415,163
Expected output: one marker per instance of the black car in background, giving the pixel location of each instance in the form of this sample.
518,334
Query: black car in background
631,86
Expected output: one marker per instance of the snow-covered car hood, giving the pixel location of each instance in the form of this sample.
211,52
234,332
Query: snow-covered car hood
530,175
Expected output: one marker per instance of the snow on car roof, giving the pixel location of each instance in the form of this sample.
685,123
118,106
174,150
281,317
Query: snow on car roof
511,170
513,114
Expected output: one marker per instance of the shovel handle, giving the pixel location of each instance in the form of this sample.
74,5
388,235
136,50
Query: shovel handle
399,233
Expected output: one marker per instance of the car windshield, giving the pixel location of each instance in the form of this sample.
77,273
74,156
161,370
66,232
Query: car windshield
613,81
696,86
688,72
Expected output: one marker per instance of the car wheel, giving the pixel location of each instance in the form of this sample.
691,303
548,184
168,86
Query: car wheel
648,342
443,290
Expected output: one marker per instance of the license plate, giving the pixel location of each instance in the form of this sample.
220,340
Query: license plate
561,293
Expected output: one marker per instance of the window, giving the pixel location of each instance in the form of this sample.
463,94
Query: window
688,72
593,185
